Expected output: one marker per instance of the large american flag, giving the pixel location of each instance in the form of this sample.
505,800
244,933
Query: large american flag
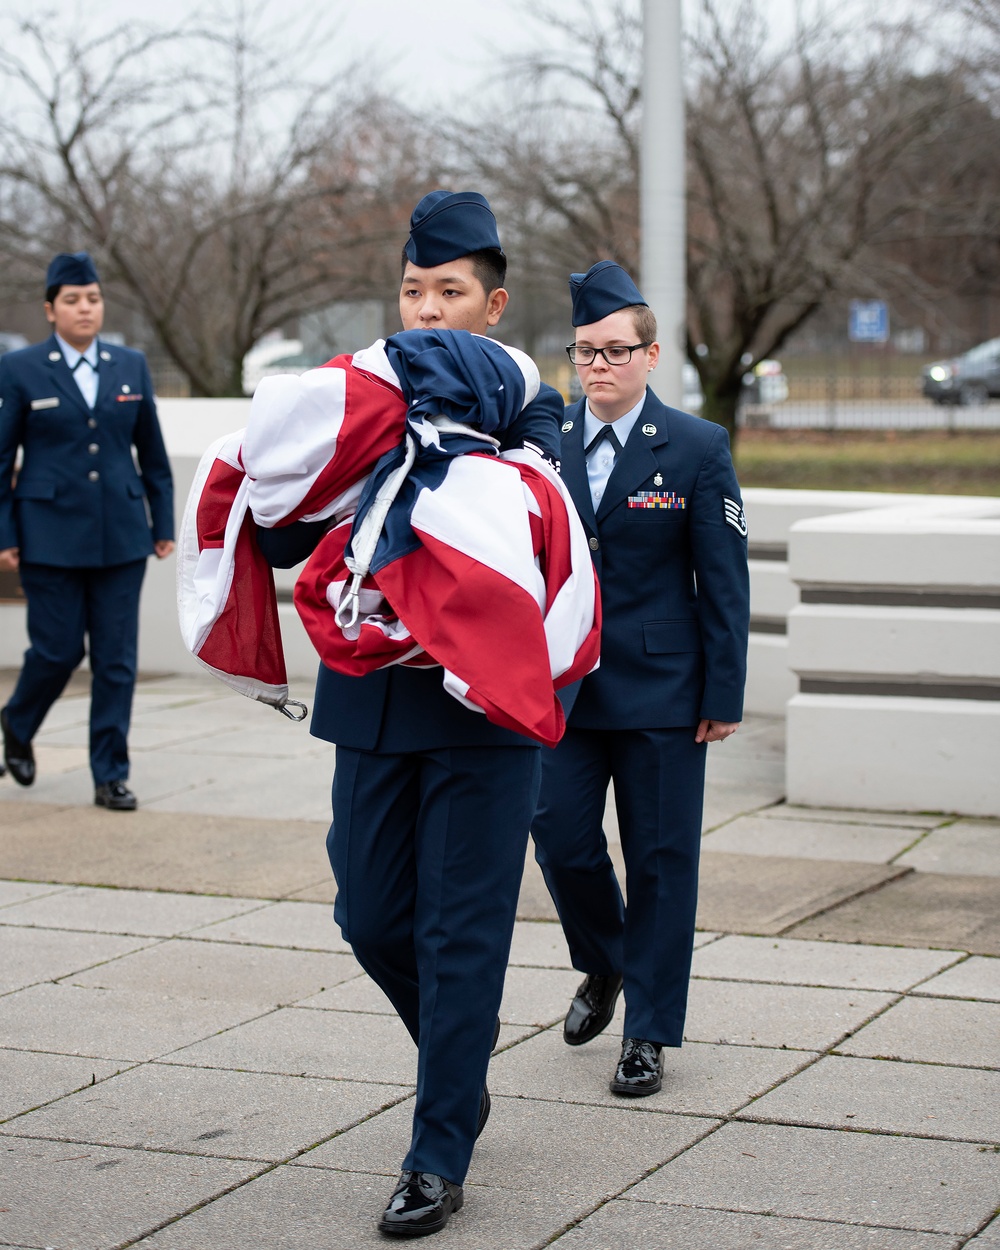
440,550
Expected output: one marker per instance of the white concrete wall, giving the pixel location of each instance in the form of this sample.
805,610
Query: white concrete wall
770,517
896,648
894,754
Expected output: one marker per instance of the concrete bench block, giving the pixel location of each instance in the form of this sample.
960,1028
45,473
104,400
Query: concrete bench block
773,594
945,542
771,513
921,644
770,682
894,754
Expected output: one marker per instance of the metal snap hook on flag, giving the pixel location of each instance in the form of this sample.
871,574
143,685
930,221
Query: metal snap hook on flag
349,608
285,709
365,541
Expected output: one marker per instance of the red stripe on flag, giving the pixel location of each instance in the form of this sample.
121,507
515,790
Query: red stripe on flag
221,487
373,422
373,648
245,640
484,629
557,566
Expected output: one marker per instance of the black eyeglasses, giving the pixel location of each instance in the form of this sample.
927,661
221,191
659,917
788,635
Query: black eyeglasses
613,355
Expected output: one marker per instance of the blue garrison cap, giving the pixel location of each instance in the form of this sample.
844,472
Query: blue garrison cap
448,224
602,290
71,269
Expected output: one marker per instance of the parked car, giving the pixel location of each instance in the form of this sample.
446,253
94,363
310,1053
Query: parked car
970,379
765,384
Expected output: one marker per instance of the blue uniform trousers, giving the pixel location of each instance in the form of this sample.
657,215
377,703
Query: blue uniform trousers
428,849
65,605
659,781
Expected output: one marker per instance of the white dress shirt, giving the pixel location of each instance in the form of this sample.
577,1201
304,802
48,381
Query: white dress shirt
601,460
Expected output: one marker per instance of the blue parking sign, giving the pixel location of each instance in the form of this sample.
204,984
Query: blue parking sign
868,321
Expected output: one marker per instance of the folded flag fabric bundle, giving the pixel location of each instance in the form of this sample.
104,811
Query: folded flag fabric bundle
440,550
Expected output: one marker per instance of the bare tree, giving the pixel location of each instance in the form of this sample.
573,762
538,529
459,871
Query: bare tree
794,155
983,14
222,190
560,157
794,163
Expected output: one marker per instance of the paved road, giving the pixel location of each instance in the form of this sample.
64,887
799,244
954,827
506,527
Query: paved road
192,1059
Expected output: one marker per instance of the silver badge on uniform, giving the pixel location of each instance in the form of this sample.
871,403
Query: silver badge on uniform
126,388
567,426
105,355
649,430
658,480
734,514
55,356
38,404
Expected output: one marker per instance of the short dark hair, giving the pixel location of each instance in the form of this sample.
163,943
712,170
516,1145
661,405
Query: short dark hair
488,265
644,321
52,291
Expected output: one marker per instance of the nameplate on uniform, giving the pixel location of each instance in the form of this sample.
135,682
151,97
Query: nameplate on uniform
128,399
38,404
657,499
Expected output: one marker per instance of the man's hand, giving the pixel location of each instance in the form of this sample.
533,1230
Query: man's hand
9,559
715,730
163,548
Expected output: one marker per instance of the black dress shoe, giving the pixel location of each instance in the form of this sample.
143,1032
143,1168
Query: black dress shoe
116,796
591,1011
18,755
640,1069
421,1203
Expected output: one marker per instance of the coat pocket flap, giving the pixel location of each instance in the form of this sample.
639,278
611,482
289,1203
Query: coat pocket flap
35,490
135,489
662,637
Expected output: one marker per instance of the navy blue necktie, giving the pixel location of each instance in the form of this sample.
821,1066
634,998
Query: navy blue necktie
607,432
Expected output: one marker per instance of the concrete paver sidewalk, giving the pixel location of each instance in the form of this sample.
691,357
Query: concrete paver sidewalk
193,1058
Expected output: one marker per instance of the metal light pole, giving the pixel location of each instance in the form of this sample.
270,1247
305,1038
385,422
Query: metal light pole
661,182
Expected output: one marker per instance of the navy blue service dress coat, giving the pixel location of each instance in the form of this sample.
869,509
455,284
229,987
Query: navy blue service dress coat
670,547
79,501
431,809
78,515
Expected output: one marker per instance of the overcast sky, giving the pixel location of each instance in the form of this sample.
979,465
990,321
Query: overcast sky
430,50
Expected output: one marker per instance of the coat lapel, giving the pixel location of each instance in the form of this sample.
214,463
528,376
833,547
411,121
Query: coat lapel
573,466
637,461
105,375
62,377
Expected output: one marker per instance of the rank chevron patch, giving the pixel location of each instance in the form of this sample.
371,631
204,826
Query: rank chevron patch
734,514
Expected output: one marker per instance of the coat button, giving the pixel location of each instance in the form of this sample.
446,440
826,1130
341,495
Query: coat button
93,476
93,448
92,423
594,544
